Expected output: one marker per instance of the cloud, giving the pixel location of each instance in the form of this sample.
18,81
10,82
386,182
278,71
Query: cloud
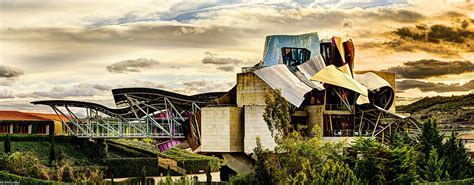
132,65
144,83
202,86
5,94
431,68
347,23
78,90
438,39
227,68
9,72
436,87
223,64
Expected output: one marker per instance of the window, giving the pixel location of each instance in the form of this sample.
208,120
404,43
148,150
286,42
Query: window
4,128
41,129
21,128
295,56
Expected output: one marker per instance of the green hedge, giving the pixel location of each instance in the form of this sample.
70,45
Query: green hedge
81,151
132,167
192,162
462,181
8,177
46,138
124,151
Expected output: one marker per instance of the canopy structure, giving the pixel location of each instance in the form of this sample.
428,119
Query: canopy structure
381,93
141,112
279,77
331,75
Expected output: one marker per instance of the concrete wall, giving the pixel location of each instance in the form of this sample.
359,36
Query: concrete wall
251,89
221,129
255,126
315,117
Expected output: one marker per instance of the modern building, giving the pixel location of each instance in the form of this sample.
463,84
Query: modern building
316,77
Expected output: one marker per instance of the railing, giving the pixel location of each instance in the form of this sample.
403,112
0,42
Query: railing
128,128
347,133
251,69
336,107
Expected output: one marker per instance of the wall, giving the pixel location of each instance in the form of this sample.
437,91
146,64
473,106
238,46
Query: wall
221,129
315,117
255,126
251,89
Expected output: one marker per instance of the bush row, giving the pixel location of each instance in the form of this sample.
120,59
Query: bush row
132,167
462,181
6,178
192,162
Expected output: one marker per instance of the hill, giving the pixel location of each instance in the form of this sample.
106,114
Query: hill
439,103
453,109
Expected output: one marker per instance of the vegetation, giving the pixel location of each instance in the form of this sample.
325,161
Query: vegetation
133,167
80,151
5,176
7,144
28,165
439,103
190,161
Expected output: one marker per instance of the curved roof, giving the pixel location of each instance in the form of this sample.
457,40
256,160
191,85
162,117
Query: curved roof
281,78
156,97
151,97
98,107
371,81
331,75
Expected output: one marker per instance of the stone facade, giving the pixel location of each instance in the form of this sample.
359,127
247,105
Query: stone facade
251,89
255,126
222,129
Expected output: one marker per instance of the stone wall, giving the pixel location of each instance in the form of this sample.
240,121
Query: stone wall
251,89
222,129
255,126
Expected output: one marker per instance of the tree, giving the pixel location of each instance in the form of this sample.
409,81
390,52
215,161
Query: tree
208,175
143,177
262,170
52,154
7,144
403,165
457,162
430,137
371,161
433,171
335,172
277,115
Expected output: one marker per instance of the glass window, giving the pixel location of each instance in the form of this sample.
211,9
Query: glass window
295,56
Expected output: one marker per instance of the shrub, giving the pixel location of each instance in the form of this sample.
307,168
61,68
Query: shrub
192,162
5,176
132,167
25,164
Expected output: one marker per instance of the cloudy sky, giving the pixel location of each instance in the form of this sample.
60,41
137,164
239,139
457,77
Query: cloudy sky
72,49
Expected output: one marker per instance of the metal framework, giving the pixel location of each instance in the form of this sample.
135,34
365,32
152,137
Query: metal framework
381,123
144,112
